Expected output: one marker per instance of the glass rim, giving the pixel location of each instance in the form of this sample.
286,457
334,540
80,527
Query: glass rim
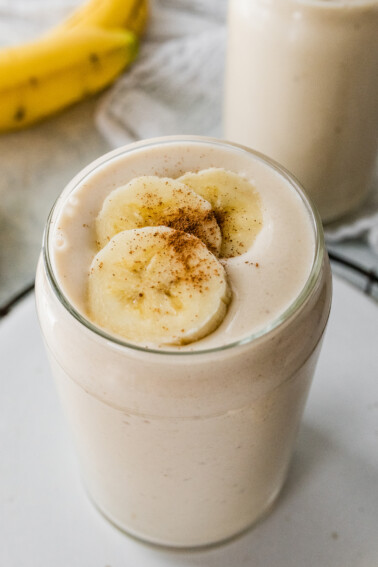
287,314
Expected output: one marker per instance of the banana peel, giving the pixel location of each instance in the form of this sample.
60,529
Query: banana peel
76,59
108,14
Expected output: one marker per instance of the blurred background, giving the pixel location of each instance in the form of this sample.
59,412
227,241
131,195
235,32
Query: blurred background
175,86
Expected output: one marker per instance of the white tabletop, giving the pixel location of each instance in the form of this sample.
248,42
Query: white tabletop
328,512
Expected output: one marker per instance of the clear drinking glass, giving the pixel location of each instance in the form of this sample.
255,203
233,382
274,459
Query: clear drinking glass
301,86
183,448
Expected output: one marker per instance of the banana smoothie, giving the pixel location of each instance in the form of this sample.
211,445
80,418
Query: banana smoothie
183,292
301,86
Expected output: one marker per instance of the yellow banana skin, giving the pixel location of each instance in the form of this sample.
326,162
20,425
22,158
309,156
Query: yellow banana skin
39,78
129,14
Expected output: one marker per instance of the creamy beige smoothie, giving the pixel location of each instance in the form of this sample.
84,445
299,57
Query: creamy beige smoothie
301,87
187,444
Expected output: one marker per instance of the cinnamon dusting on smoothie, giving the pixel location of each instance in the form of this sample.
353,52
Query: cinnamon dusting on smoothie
183,246
193,222
154,201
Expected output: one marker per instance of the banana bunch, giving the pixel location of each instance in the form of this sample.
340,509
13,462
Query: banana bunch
78,58
157,277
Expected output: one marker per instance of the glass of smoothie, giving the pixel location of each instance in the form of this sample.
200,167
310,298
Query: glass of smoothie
301,86
183,291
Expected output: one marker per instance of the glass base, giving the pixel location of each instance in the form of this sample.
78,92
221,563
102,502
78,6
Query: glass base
175,545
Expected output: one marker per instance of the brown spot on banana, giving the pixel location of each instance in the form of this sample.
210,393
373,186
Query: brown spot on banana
20,114
94,58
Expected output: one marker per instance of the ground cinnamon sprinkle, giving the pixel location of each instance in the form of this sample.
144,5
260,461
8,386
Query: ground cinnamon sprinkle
220,217
193,222
187,217
183,245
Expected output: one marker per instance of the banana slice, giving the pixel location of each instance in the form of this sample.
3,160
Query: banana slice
158,201
157,285
236,204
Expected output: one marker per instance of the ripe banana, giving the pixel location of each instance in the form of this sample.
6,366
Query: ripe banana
157,285
42,77
236,204
158,201
129,14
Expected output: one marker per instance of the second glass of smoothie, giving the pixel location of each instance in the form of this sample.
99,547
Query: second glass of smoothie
301,86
